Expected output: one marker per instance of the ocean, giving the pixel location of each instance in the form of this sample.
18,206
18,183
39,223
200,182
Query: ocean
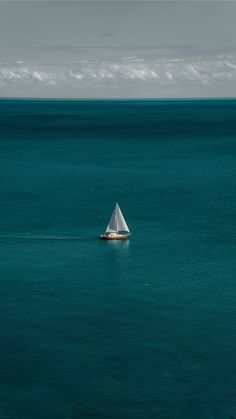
112,329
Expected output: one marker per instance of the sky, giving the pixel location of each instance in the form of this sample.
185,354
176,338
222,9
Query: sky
117,49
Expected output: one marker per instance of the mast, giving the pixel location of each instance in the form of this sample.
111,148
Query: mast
116,217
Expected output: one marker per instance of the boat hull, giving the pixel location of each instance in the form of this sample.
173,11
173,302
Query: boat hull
114,237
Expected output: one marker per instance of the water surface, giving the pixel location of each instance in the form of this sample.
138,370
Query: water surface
144,327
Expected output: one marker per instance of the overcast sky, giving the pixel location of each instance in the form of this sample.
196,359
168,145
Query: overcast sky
106,49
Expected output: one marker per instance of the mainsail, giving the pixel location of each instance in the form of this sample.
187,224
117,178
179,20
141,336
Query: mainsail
117,222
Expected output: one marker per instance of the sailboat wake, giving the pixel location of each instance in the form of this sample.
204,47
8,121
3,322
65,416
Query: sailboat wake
49,238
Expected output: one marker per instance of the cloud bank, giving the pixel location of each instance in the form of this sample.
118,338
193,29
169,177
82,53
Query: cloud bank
168,74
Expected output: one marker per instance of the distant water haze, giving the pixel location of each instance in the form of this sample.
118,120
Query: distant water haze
101,49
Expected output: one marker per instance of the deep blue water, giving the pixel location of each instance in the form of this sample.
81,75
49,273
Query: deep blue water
108,330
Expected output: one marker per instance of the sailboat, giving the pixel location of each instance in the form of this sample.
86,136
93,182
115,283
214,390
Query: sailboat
117,228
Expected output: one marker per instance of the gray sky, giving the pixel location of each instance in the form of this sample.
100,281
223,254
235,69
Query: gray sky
106,49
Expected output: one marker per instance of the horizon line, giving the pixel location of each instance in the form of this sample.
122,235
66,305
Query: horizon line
119,99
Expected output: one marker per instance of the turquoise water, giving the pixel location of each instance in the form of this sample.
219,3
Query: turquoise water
144,327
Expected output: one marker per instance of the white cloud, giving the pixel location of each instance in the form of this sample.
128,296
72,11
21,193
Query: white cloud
230,65
78,76
24,75
36,75
133,59
169,75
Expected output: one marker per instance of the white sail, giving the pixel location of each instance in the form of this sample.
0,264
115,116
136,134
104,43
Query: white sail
117,222
112,225
121,223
